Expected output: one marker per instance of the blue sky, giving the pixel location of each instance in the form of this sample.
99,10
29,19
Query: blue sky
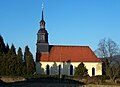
69,22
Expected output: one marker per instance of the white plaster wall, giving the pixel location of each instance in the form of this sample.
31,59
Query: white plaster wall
90,65
66,71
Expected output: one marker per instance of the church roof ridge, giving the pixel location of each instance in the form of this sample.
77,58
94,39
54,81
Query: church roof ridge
68,46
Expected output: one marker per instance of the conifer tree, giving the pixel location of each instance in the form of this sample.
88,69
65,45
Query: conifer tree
2,45
29,62
6,61
11,61
20,56
2,51
13,50
3,64
81,70
6,48
19,61
1,61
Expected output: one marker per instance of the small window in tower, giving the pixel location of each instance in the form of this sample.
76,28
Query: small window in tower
42,37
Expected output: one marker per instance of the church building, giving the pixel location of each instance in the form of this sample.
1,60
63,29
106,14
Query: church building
62,59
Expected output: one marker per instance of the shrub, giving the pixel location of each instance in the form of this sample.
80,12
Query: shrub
81,70
96,79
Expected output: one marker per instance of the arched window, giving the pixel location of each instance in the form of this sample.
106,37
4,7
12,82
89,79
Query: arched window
71,69
59,70
93,71
47,70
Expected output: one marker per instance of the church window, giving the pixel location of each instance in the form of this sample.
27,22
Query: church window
59,70
42,37
93,71
47,70
71,69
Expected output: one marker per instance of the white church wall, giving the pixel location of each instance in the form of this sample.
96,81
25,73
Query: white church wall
66,67
90,65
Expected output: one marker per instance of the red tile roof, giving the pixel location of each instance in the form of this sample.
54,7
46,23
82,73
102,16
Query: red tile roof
68,54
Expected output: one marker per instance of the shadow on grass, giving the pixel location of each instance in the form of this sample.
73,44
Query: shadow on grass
44,82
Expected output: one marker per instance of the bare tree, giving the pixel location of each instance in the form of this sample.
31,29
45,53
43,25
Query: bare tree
107,49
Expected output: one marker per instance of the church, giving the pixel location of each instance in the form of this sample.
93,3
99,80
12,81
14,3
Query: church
62,59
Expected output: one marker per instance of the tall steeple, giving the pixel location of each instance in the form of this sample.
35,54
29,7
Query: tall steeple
42,22
42,35
42,10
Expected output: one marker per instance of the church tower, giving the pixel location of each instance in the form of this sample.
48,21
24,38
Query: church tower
42,36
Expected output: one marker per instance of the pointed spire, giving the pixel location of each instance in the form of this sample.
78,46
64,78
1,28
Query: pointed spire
42,9
42,22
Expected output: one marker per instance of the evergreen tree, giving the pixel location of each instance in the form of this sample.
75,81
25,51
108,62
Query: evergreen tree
29,62
11,61
6,62
1,60
19,61
81,70
6,48
13,50
3,64
2,45
2,51
20,56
